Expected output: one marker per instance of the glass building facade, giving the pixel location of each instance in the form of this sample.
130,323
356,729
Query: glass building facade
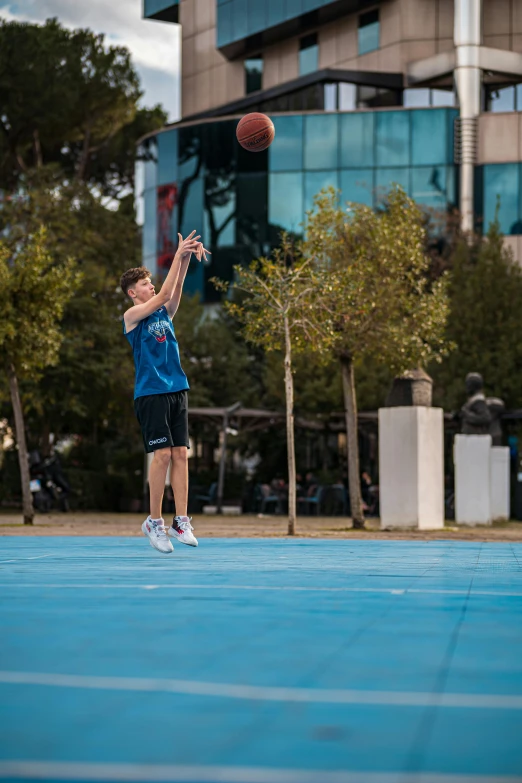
239,19
501,188
197,176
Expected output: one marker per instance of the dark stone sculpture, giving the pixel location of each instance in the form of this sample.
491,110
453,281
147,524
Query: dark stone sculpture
414,387
481,415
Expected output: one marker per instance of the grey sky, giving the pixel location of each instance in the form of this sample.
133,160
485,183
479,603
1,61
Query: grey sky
155,46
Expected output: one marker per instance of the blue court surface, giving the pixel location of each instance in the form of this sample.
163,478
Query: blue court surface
260,661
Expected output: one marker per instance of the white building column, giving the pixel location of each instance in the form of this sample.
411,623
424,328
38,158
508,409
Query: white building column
468,83
411,467
472,457
500,482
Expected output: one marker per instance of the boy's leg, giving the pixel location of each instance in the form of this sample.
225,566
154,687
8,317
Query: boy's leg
179,478
157,476
181,528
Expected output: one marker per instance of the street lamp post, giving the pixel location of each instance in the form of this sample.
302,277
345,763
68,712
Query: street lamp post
223,459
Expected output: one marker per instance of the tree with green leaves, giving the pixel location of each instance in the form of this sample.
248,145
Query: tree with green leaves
103,242
280,310
485,320
70,100
35,291
210,345
374,270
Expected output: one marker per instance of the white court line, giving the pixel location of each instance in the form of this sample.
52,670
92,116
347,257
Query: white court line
165,773
15,559
266,693
277,588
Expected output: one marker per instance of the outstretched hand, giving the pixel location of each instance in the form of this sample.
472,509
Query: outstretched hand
201,252
192,245
188,245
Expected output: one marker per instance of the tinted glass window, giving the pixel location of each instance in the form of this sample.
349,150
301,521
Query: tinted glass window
240,19
502,99
190,208
251,215
347,96
150,160
393,138
387,177
357,139
429,187
257,16
220,209
195,279
502,181
518,91
285,202
190,162
321,141
429,141
308,54
253,74
316,181
443,98
368,32
273,12
290,8
139,175
416,97
286,152
224,27
149,243
167,157
357,185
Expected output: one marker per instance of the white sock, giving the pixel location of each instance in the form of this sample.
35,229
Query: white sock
157,520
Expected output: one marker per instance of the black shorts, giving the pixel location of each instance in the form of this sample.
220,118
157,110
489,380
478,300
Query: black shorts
163,420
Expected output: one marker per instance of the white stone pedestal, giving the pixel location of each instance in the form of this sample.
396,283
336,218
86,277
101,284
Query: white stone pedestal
411,467
500,482
472,456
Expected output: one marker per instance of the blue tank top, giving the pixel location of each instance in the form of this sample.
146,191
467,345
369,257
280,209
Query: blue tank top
156,356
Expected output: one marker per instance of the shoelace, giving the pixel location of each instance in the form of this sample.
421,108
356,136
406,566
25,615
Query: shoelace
185,525
161,530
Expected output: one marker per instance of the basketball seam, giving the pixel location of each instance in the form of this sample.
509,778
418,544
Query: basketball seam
252,136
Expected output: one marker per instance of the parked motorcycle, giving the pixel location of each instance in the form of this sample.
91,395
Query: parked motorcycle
48,485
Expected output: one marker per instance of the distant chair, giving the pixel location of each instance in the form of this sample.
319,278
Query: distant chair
335,501
312,502
210,499
268,499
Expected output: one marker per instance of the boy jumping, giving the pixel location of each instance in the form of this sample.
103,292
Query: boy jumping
160,391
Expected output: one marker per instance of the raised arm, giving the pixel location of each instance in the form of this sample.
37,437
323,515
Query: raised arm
138,312
173,303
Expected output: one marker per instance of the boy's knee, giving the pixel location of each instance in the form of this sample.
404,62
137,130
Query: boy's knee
162,456
179,454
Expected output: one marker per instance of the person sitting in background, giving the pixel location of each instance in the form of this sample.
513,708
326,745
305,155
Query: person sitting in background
310,484
366,483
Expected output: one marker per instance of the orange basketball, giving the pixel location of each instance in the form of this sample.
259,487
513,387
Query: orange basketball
255,132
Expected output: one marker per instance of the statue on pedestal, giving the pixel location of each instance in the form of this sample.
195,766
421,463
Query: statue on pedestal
481,415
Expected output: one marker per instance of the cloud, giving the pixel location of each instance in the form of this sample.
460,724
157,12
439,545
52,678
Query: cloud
155,46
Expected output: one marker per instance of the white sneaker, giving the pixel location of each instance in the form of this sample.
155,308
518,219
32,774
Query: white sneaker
182,531
157,535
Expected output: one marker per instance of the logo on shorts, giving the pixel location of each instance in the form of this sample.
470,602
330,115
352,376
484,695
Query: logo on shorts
159,329
159,440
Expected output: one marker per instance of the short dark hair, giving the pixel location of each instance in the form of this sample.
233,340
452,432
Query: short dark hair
131,277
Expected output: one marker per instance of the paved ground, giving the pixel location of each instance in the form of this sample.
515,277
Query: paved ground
261,661
103,524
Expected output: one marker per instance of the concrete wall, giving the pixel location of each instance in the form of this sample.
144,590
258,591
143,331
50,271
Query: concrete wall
410,30
499,138
207,78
